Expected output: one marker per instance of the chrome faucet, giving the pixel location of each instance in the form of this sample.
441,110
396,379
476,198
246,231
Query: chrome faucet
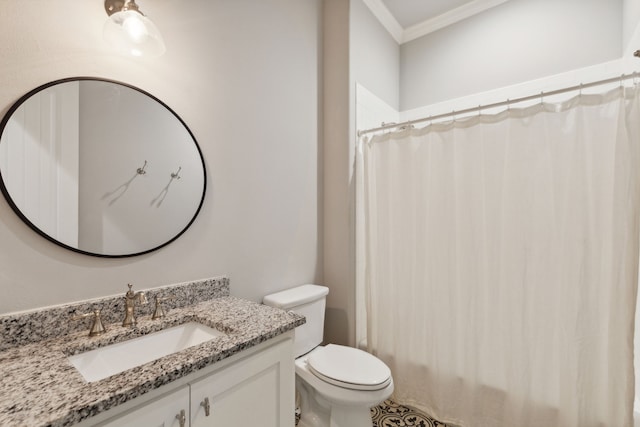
130,299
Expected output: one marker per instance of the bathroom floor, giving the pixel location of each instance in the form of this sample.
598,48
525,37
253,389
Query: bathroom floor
392,414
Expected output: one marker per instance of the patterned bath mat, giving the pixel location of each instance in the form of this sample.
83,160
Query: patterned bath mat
392,414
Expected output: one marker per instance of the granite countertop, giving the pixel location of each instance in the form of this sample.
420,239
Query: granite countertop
40,387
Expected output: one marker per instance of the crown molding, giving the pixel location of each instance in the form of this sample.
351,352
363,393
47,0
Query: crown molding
387,20
448,18
402,35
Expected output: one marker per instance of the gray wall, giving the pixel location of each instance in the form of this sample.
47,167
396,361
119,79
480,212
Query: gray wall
336,250
357,48
374,55
244,77
517,41
630,18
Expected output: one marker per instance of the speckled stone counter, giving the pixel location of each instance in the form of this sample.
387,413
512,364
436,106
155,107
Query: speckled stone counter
52,322
39,386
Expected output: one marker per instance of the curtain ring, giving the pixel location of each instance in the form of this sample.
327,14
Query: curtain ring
580,92
541,97
508,104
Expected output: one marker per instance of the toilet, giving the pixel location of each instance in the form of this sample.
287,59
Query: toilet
336,384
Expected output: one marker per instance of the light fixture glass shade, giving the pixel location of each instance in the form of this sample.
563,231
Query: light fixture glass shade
134,34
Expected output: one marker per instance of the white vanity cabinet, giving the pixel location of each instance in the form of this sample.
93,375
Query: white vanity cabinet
161,412
254,388
247,393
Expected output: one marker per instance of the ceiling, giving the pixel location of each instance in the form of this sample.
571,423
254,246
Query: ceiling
409,19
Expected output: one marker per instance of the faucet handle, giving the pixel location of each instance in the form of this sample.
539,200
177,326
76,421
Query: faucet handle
97,328
160,312
139,297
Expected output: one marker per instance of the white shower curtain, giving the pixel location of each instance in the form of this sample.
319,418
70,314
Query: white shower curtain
501,263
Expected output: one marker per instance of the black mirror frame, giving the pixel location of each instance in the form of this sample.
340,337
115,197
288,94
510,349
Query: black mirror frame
15,208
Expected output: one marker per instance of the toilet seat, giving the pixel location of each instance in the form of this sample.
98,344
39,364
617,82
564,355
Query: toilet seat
349,368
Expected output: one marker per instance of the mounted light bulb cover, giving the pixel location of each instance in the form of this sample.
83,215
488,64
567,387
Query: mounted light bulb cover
129,31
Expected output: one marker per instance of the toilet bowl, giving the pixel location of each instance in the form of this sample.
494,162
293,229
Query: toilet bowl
337,385
342,399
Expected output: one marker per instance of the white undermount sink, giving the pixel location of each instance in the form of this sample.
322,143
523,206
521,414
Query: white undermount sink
103,362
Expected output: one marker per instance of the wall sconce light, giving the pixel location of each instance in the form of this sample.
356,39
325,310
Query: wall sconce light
130,31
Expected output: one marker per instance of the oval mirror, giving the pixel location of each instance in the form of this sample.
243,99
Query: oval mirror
100,167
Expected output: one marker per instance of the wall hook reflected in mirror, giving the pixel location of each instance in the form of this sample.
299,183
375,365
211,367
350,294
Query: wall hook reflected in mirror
157,201
177,174
141,170
119,191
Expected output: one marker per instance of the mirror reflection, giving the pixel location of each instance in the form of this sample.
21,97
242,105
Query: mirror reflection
100,167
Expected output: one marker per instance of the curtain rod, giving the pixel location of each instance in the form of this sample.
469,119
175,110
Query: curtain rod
501,104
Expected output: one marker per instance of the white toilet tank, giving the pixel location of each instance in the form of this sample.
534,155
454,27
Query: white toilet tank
309,301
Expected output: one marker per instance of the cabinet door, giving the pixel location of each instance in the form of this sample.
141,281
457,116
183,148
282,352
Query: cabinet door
256,391
161,412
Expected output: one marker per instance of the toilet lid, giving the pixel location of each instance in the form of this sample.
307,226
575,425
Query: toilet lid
349,368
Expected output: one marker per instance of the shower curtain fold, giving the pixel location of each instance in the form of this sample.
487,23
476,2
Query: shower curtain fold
501,262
